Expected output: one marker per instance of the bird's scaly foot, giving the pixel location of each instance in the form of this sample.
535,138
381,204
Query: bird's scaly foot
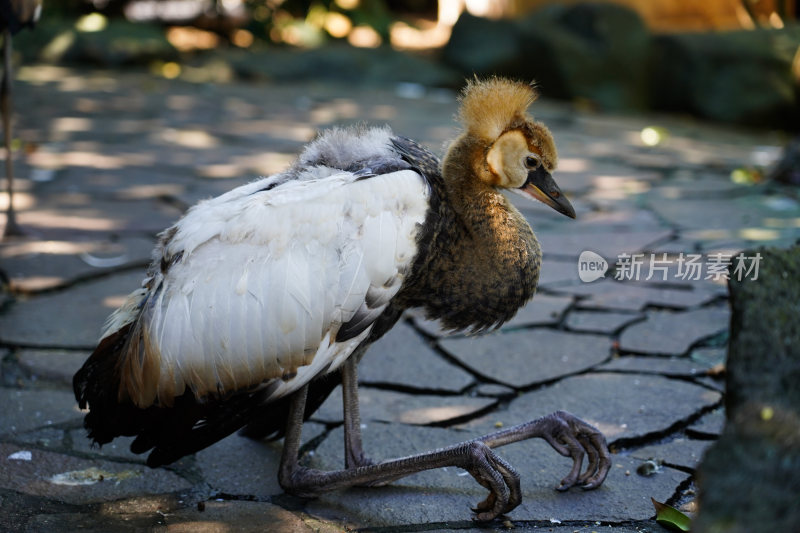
494,473
572,437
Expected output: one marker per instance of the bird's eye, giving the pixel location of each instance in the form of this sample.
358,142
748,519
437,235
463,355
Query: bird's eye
532,162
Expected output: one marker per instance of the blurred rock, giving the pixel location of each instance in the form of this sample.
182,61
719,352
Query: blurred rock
603,54
483,45
787,169
743,77
764,351
595,52
748,480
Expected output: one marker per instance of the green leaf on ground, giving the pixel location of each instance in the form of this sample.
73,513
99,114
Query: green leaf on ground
671,518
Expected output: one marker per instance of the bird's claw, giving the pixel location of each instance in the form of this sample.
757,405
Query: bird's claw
574,438
494,473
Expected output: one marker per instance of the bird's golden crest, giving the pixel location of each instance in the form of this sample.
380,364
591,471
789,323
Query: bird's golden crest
493,107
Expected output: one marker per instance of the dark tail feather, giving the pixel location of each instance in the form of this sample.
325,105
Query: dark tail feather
186,427
96,385
191,425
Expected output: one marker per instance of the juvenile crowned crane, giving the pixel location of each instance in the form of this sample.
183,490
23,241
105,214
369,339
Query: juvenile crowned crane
259,302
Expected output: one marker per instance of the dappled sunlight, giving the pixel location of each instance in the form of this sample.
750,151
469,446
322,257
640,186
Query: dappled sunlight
364,37
247,166
55,160
72,124
619,186
39,283
383,112
573,164
75,83
793,222
712,234
759,234
48,247
115,301
282,129
220,171
266,163
337,25
431,415
41,74
198,139
55,219
753,234
338,109
146,192
188,39
22,200
93,22
423,37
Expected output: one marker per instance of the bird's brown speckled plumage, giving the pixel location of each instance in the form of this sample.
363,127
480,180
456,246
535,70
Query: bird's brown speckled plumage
479,259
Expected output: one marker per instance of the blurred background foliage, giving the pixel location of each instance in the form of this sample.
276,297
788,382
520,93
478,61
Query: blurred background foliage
728,60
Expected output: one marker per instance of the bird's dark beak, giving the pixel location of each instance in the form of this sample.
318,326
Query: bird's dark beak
541,186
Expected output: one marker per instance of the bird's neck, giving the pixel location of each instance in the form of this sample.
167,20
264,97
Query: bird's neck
492,223
484,263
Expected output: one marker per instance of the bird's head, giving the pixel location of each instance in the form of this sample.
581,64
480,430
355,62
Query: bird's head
505,147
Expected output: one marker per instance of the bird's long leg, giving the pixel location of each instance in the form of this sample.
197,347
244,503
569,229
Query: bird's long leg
567,434
353,450
12,228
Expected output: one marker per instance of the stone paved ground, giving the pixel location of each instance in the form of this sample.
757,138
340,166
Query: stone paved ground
113,158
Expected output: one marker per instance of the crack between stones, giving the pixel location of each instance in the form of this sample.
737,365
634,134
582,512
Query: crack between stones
626,445
29,346
680,491
81,279
407,389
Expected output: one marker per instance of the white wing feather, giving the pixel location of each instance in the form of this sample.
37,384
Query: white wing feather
265,279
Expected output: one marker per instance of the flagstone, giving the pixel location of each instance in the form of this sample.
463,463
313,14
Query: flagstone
680,452
623,407
416,409
44,265
28,409
81,481
673,333
70,318
52,365
399,357
609,245
709,426
599,322
525,358
665,366
608,294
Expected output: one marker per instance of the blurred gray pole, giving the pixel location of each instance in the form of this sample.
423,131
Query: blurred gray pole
12,228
